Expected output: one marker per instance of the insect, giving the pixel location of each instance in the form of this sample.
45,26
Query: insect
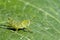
18,25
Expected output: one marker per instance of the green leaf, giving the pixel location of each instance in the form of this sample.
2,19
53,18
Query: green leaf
45,23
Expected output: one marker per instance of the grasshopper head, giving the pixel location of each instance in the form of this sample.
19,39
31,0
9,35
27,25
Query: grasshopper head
25,23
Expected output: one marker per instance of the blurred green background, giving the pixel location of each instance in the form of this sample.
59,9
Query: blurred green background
45,24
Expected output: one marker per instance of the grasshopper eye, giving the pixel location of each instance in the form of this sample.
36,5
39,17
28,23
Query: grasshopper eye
9,18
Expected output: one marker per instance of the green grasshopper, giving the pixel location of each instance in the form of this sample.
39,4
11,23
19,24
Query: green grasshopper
18,25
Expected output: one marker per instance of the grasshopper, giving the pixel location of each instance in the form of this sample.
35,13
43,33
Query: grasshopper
18,25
